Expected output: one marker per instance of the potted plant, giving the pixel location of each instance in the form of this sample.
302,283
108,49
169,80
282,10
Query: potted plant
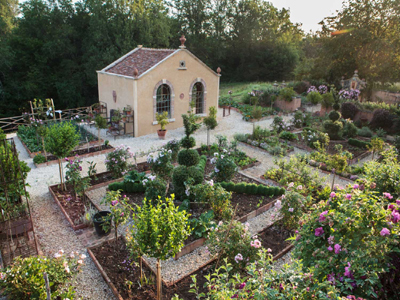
102,222
96,107
116,118
128,110
162,120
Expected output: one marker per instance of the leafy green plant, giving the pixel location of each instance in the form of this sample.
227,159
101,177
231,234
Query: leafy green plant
365,132
160,164
224,169
358,143
60,141
74,178
287,94
155,188
286,135
158,231
24,280
182,174
334,129
39,159
202,225
327,100
162,119
312,136
349,130
213,195
191,125
314,97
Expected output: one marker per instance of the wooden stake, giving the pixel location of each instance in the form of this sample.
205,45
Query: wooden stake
54,109
46,281
159,283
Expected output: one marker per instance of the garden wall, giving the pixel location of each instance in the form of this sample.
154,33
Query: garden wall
288,106
387,97
364,115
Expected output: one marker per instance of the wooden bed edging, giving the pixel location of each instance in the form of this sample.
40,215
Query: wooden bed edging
53,162
104,274
74,227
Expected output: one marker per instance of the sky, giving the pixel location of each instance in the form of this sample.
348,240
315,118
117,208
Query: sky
309,12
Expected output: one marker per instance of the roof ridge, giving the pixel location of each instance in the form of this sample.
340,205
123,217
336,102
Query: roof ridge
158,49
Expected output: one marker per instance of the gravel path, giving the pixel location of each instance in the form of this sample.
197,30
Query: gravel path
53,230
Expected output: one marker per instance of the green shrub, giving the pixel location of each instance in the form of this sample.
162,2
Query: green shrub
287,94
182,174
292,209
349,110
286,135
225,168
246,98
24,280
117,161
349,130
155,188
39,159
253,189
314,97
333,129
127,187
188,157
174,146
327,100
365,132
334,115
188,142
382,119
311,136
202,163
358,143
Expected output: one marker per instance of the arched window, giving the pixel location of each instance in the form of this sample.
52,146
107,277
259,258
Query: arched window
198,97
163,99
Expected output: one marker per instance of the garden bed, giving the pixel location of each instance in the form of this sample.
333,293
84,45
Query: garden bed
237,178
115,268
82,153
358,153
288,150
73,209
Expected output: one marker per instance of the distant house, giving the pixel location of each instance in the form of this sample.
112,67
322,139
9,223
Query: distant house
158,80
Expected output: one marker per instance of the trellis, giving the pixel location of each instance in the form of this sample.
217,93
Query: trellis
17,235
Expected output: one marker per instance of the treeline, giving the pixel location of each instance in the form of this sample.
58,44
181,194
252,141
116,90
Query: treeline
52,48
55,47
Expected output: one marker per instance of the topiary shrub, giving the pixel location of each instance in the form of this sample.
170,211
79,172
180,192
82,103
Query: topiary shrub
287,94
358,143
336,106
382,119
350,130
225,169
334,129
334,115
202,163
188,142
181,175
188,157
349,110
327,100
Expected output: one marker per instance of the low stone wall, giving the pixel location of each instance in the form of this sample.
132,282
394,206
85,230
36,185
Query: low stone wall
288,106
387,97
364,115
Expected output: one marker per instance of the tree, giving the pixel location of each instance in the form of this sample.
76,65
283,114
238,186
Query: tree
61,139
101,123
376,146
119,210
364,35
159,231
8,12
210,122
257,113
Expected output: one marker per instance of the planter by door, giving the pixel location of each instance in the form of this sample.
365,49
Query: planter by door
99,220
161,134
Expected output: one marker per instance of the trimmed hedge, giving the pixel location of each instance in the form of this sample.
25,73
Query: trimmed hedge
188,157
253,189
128,187
358,143
202,163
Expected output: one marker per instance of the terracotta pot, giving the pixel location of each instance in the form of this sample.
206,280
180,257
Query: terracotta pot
128,112
161,134
124,119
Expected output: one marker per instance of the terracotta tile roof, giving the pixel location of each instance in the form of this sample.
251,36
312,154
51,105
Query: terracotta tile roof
142,59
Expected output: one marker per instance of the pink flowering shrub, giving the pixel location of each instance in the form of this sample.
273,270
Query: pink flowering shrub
117,161
23,279
260,281
293,207
348,240
239,248
73,176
